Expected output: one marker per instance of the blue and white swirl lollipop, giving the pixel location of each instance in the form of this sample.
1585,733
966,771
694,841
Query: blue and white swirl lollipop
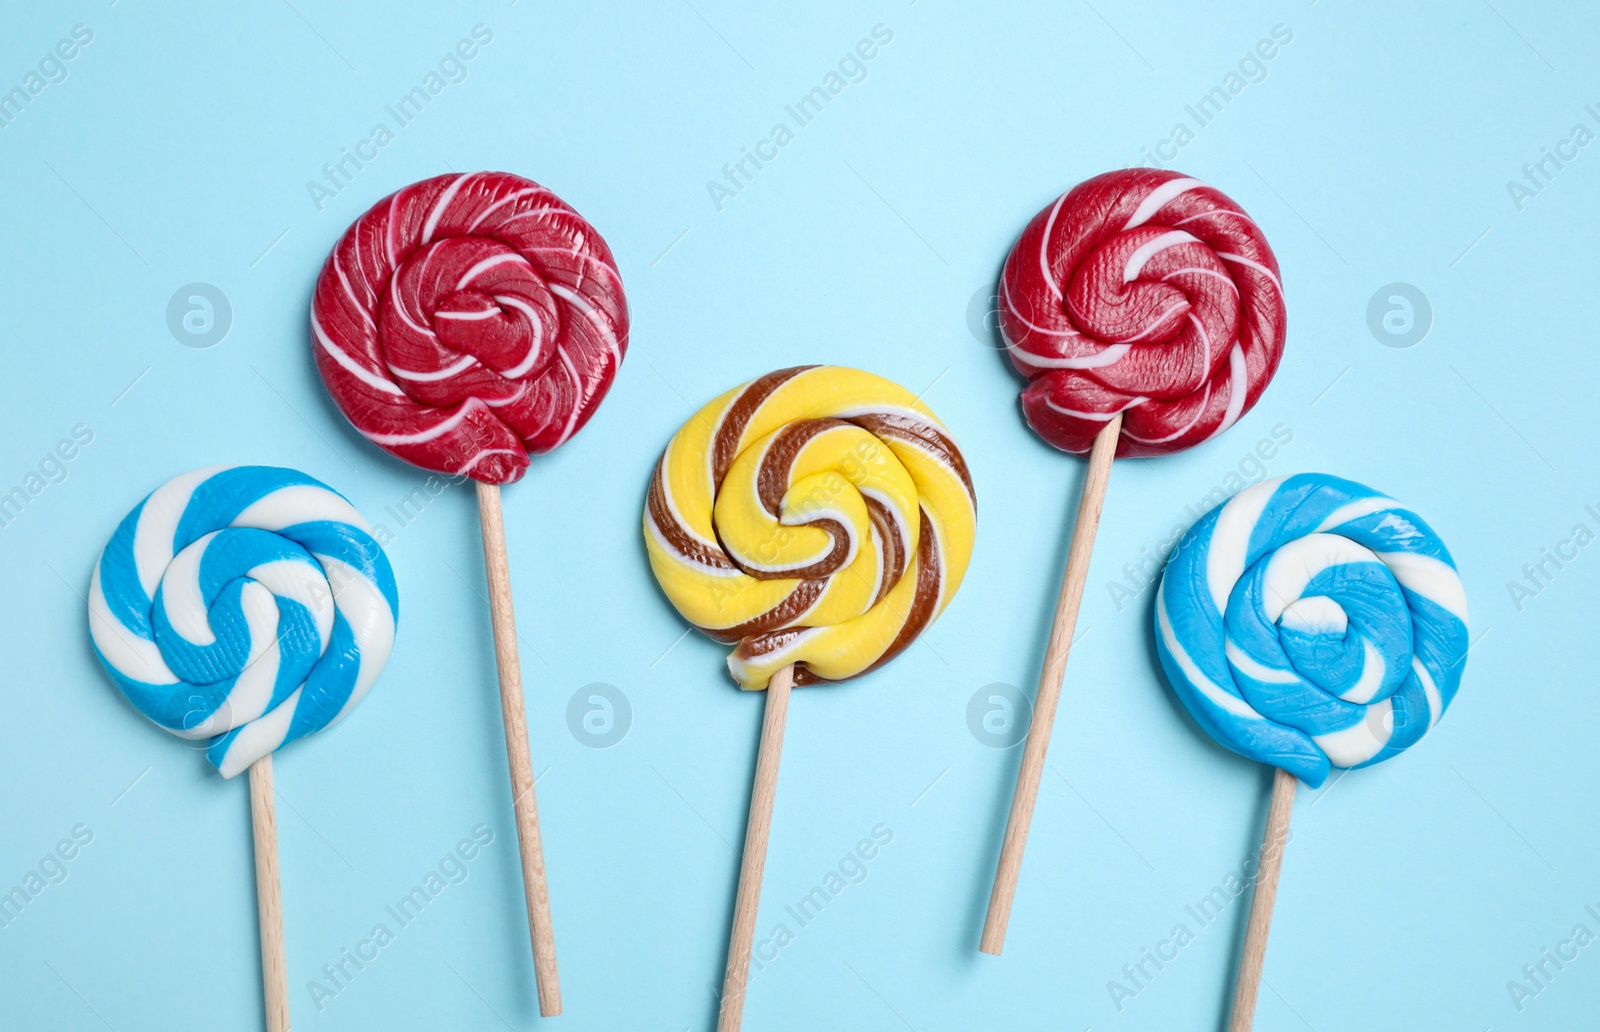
248,605
1310,622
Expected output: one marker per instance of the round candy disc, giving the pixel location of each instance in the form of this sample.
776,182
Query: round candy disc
1310,622
819,516
248,605
1143,292
468,321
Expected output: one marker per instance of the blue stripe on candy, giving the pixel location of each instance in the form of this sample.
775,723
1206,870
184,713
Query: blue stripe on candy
299,647
1185,597
230,556
1376,611
1285,517
329,686
1258,739
176,707
1192,599
1440,642
1397,530
236,551
217,751
211,664
353,546
119,577
322,696
222,497
1411,717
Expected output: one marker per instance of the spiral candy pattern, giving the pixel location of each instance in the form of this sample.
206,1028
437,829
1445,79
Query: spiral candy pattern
468,321
1143,292
818,515
1310,622
249,605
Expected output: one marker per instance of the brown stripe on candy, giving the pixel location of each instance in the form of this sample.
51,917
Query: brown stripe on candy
677,536
828,564
730,428
773,478
930,571
756,647
804,676
894,555
919,432
802,598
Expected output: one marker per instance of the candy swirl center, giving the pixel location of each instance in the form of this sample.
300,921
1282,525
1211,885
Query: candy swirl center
1325,615
466,317
1166,297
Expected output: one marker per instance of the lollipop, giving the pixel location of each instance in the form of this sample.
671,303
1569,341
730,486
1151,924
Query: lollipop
245,606
462,324
1309,623
821,518
1145,309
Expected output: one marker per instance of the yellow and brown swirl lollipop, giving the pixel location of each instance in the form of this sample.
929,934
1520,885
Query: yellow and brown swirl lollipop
821,518
817,516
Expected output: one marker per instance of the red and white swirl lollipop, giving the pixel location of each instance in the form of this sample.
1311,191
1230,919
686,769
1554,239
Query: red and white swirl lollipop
462,324
469,321
1146,310
1144,294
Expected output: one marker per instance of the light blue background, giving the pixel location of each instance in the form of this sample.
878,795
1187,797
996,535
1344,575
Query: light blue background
1376,150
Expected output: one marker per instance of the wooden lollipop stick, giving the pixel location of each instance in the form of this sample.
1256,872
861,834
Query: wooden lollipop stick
755,851
1273,841
1049,692
524,803
269,896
